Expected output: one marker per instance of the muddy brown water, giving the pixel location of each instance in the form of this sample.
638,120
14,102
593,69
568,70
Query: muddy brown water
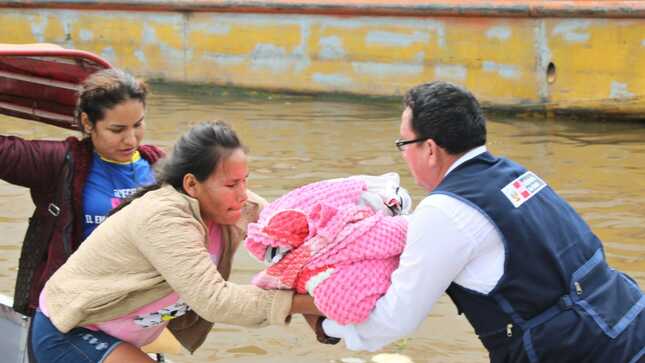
294,140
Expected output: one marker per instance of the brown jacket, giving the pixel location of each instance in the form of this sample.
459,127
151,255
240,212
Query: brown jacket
152,247
55,172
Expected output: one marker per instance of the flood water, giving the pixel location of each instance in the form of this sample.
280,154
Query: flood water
294,140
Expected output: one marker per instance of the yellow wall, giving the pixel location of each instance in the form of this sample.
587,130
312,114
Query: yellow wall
598,61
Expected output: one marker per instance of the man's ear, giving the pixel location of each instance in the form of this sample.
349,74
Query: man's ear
435,154
438,156
432,149
190,185
87,125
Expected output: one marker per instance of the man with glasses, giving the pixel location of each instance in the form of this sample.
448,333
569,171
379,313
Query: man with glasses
514,257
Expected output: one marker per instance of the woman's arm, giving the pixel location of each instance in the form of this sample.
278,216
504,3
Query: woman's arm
173,242
31,164
304,304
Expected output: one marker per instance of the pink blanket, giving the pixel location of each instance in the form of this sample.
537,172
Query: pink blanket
326,243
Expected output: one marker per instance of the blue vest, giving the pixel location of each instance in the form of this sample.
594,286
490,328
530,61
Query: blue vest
557,300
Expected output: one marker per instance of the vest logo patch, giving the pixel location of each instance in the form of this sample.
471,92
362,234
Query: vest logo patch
523,188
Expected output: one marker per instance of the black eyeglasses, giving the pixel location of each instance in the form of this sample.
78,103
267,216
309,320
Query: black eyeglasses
401,143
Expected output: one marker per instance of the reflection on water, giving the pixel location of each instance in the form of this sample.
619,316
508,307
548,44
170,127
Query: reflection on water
295,140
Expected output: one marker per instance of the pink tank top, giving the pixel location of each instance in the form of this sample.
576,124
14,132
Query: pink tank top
145,324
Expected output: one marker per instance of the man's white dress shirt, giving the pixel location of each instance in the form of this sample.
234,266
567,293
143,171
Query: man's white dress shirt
448,241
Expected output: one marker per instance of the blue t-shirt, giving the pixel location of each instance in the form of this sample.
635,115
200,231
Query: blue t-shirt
108,184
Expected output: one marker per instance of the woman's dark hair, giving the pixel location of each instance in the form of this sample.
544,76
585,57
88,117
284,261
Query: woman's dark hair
199,151
104,90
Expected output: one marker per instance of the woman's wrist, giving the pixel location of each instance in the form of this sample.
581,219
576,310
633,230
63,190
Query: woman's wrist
304,304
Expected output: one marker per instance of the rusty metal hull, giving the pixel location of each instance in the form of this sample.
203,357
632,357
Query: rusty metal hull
558,56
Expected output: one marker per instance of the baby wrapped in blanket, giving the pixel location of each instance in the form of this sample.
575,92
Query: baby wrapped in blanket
338,240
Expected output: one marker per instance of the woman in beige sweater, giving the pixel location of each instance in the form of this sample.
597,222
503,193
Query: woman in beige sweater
162,260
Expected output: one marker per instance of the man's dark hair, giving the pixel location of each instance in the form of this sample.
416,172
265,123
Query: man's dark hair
448,114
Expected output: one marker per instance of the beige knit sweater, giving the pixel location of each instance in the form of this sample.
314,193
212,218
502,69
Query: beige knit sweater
151,247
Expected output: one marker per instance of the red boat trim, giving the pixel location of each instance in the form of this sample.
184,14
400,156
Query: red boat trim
39,80
58,53
38,113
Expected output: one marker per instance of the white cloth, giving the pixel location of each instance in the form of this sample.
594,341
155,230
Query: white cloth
448,241
384,193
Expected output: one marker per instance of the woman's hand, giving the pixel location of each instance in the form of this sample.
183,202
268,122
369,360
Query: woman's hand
312,320
304,304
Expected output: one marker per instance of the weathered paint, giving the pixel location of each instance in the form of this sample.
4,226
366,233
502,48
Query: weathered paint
542,59
500,32
601,64
502,59
450,72
573,31
477,8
